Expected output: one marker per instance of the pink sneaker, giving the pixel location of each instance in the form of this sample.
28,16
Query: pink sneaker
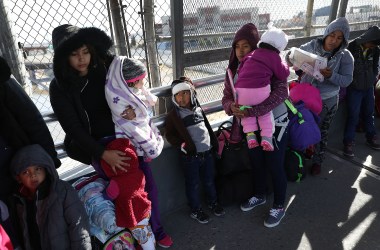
165,242
252,143
267,146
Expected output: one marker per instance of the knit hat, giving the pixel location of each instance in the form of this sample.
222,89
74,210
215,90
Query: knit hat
274,37
183,84
248,32
133,70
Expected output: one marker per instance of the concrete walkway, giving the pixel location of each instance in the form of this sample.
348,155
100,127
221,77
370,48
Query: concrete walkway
338,209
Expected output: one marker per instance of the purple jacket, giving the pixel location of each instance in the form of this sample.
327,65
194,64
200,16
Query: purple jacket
258,67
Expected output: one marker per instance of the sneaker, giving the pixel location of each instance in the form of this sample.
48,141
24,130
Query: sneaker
315,169
217,209
200,216
251,203
266,145
275,216
165,242
372,143
348,149
252,140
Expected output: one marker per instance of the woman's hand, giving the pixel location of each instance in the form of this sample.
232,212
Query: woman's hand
128,113
326,72
116,159
237,112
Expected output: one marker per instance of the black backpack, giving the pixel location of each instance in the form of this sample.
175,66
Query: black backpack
294,165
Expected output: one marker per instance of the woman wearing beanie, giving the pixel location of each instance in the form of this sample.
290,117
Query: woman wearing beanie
339,73
245,41
77,95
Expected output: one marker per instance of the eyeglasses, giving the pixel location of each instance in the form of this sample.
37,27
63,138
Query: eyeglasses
182,93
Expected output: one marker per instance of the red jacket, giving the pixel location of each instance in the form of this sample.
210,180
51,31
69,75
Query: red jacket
132,204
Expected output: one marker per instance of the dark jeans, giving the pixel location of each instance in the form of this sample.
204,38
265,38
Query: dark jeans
197,167
272,161
151,189
360,104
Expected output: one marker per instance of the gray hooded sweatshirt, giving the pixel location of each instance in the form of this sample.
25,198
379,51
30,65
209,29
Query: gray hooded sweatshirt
61,218
341,62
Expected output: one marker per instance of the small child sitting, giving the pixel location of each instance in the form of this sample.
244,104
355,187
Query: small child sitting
50,214
131,202
253,84
187,128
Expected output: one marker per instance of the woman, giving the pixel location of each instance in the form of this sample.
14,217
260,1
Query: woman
77,95
339,73
245,41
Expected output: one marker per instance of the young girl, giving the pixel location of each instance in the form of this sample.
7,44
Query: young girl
253,84
125,88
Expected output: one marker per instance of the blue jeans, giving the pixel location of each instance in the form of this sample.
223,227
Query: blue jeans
360,104
197,167
272,161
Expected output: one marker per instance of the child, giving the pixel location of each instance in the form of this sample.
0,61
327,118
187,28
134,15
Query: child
360,93
187,128
253,84
50,214
125,88
131,204
130,104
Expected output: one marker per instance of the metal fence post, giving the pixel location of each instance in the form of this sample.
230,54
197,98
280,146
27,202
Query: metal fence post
176,32
8,46
342,8
334,10
309,14
120,41
150,36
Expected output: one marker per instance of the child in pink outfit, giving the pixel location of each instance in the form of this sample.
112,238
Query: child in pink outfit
253,84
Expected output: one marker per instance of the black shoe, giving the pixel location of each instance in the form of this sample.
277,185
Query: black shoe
372,143
217,209
348,149
200,216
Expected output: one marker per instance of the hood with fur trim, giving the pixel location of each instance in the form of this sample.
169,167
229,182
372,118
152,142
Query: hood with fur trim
67,38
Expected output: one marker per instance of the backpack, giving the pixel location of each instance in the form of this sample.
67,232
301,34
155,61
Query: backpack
303,126
294,165
123,238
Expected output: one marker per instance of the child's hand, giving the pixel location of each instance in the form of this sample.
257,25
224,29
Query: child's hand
236,110
128,113
116,159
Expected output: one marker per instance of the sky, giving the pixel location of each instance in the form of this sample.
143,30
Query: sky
34,20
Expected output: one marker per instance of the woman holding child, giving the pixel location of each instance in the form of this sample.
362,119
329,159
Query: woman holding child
77,94
244,43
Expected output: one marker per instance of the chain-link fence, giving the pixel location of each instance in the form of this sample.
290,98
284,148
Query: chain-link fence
208,30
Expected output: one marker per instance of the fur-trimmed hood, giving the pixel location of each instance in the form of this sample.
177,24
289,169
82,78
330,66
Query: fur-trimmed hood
67,38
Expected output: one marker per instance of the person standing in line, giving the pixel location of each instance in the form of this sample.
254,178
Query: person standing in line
187,128
77,95
338,73
360,93
245,41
